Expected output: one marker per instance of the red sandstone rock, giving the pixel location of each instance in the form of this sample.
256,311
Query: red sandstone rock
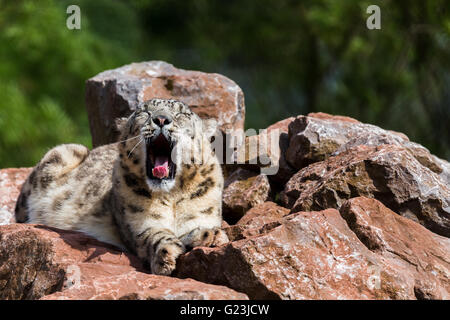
243,190
326,116
42,262
316,255
318,136
263,215
310,255
402,242
269,155
11,181
99,282
116,93
388,173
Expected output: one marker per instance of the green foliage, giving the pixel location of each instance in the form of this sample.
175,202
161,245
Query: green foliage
43,67
290,57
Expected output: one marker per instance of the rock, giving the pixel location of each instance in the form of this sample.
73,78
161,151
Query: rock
402,242
285,171
34,259
326,116
224,224
310,255
11,181
262,152
315,138
42,262
318,136
416,150
282,125
315,255
243,190
100,283
445,165
264,214
115,93
388,173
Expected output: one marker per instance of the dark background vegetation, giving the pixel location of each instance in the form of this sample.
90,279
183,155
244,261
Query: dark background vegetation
289,57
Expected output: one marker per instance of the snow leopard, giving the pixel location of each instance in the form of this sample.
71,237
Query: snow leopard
145,193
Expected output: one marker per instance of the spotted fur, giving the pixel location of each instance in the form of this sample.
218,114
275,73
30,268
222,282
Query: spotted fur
108,194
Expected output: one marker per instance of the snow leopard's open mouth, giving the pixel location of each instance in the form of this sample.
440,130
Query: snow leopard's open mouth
158,163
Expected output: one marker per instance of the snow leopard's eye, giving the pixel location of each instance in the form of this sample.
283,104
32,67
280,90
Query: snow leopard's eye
143,115
181,116
143,107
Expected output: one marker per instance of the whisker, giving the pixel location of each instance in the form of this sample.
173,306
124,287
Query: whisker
135,147
127,139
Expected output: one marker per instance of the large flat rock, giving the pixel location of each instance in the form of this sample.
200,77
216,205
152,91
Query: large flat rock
38,262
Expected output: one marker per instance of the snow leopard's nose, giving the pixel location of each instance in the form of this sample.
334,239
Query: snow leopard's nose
161,120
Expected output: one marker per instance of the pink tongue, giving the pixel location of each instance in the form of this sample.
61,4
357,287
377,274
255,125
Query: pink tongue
161,169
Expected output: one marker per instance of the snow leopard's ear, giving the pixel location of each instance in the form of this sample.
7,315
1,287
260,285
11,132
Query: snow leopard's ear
209,127
120,123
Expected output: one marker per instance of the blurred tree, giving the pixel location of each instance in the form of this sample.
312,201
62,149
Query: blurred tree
43,67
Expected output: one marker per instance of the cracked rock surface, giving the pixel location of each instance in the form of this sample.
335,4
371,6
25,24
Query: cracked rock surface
365,251
38,262
388,173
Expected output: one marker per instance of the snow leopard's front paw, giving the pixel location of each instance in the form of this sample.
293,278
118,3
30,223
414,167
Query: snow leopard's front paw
164,257
203,237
